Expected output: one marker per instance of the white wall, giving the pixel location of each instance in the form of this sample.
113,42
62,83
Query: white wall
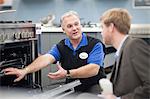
90,10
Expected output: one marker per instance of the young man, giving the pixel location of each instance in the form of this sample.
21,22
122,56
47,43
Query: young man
130,76
81,57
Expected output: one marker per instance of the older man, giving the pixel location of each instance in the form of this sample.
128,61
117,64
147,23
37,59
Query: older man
81,57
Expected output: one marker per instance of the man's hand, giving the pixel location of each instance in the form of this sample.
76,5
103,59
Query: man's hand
61,73
20,73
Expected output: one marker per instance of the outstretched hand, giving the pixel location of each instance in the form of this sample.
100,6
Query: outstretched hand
20,73
60,73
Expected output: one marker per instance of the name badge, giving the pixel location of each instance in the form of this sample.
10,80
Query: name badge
83,55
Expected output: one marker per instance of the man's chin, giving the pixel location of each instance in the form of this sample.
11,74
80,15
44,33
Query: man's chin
76,37
106,43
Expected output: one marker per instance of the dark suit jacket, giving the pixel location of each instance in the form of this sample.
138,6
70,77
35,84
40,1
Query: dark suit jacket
132,80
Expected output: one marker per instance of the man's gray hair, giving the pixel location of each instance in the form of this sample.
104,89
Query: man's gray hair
69,13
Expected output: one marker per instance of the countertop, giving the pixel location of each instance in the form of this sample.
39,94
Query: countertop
59,29
139,30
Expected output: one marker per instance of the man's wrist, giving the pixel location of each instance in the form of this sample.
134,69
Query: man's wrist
68,74
26,70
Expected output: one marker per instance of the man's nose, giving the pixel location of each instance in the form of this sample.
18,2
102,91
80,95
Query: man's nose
74,27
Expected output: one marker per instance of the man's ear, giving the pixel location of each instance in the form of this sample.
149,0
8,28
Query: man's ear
111,27
63,30
62,26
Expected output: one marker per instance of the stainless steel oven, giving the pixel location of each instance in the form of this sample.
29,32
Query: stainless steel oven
18,48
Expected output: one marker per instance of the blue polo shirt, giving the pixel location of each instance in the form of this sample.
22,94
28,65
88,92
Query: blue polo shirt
96,56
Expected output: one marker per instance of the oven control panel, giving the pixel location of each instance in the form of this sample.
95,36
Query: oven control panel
17,32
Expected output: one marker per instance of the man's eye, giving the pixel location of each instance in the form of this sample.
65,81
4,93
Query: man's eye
76,24
69,26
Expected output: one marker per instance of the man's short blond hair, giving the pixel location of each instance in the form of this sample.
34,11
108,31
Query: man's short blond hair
119,17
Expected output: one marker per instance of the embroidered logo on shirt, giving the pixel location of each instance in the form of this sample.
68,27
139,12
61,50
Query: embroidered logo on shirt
83,55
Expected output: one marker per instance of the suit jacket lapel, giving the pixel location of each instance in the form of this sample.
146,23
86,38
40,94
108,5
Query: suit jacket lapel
118,62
